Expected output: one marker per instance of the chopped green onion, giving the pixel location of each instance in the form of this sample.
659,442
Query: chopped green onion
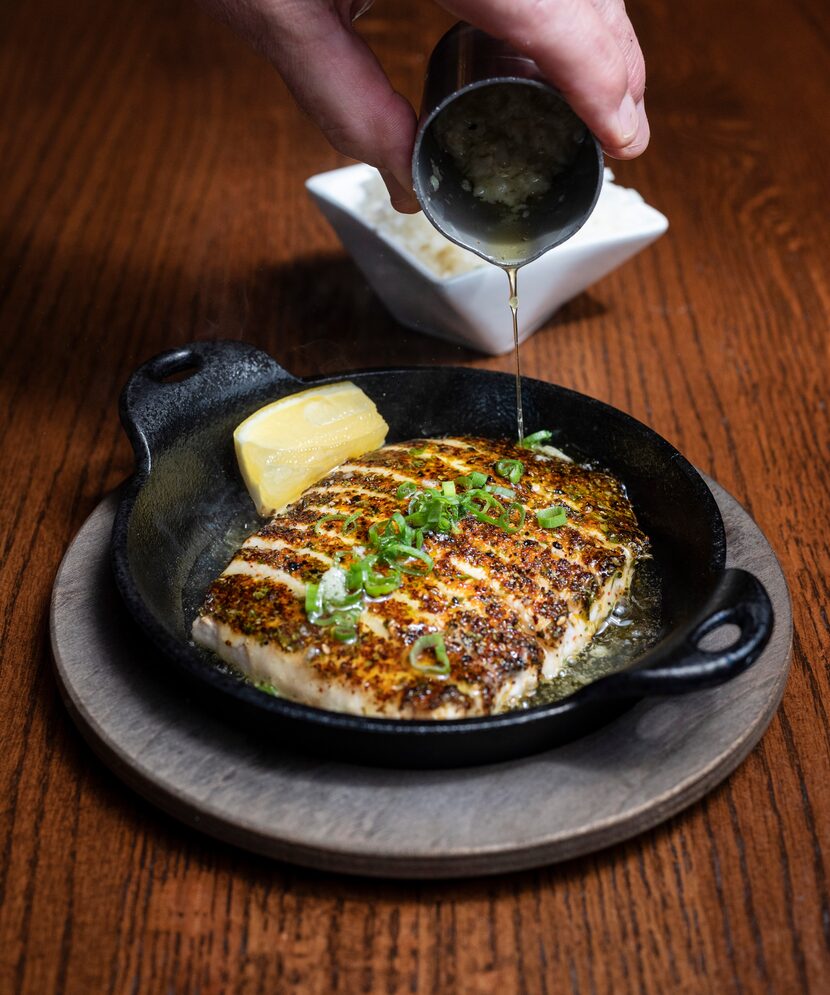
406,489
399,522
487,519
431,509
345,632
348,521
351,522
401,553
362,575
393,528
418,451
552,518
536,439
435,642
378,584
343,624
340,616
267,688
327,518
347,602
313,600
335,611
517,510
472,482
512,469
339,613
356,574
483,501
502,492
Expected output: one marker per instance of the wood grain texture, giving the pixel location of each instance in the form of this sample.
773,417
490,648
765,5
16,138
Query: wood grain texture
151,173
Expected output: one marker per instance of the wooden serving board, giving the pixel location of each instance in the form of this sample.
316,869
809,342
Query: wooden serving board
659,757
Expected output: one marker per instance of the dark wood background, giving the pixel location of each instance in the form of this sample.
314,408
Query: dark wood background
151,192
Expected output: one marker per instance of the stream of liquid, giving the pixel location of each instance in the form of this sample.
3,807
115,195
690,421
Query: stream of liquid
513,280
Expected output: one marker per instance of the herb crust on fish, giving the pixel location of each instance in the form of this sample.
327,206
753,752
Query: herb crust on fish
436,578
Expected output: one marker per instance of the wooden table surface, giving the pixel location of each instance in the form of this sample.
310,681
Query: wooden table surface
151,176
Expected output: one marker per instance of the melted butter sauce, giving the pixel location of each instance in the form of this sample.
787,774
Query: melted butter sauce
219,549
630,630
513,279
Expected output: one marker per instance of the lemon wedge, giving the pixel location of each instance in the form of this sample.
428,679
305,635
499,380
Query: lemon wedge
289,444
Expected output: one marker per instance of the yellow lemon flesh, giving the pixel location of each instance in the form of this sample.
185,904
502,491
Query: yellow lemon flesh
286,446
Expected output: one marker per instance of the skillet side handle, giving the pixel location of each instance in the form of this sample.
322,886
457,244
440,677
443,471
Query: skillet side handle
197,378
740,600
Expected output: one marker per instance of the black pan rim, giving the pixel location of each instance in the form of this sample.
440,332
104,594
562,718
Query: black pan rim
188,658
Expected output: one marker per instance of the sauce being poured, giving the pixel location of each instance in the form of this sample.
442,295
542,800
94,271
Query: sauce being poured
632,628
502,149
513,280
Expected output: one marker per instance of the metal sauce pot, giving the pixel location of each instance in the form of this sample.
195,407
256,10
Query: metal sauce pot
463,60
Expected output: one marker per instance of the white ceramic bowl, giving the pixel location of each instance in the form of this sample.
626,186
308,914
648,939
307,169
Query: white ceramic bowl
471,307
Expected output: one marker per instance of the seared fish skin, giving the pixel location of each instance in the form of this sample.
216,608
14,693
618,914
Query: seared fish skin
513,608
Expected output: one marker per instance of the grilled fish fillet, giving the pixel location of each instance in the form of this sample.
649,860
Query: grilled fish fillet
513,608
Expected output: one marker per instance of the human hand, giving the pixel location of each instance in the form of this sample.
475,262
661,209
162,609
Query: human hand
586,48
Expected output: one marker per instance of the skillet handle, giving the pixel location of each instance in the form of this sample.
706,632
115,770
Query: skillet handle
208,376
679,664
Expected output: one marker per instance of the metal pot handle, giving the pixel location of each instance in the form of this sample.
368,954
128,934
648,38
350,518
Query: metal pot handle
679,663
199,377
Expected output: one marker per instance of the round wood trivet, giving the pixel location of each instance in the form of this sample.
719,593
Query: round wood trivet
656,759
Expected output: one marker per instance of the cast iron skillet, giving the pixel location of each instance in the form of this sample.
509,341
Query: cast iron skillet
170,538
